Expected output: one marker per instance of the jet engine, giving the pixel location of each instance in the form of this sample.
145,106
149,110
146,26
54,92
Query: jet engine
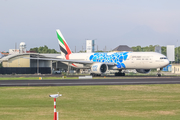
143,70
99,68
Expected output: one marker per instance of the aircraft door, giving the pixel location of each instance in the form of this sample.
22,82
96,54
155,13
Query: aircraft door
133,62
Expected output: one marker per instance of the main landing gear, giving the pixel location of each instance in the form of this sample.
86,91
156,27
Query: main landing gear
93,74
159,72
120,73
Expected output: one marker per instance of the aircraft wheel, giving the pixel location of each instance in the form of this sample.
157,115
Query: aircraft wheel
119,74
93,74
159,75
123,74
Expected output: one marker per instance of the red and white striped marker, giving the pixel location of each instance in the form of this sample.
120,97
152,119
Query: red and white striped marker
55,96
55,115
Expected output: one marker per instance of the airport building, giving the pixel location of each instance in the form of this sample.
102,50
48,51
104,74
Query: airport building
122,48
1,55
23,60
90,46
19,61
176,68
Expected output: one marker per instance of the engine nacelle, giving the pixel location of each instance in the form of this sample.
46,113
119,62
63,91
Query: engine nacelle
143,70
99,68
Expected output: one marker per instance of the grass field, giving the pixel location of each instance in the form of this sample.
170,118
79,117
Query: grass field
125,102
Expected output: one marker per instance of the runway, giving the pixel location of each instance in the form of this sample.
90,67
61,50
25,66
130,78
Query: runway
79,82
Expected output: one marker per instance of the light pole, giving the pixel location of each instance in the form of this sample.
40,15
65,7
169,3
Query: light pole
38,64
55,96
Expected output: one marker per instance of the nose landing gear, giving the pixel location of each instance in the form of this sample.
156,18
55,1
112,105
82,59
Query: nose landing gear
158,75
159,72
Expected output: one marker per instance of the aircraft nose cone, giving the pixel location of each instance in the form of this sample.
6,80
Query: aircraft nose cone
167,62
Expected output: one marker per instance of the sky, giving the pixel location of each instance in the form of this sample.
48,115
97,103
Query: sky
109,22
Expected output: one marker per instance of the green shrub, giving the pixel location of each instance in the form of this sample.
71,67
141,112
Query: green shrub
1,65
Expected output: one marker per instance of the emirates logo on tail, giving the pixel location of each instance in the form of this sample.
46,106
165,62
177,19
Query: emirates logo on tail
65,50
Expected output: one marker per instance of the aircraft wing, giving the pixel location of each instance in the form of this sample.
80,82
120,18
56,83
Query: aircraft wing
70,61
63,60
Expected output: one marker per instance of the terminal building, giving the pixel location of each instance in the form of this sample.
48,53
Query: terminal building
19,61
23,61
122,48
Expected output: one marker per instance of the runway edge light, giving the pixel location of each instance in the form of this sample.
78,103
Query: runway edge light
55,96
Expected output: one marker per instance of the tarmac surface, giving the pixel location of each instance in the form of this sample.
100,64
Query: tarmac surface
79,82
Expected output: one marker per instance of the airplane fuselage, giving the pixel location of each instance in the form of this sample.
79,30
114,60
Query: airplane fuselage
123,60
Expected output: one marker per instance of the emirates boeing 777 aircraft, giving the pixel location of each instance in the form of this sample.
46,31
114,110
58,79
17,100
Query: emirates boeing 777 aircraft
99,63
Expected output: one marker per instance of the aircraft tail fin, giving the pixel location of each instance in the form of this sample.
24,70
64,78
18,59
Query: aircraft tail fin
65,50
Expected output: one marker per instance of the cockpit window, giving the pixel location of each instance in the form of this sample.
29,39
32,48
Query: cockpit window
163,57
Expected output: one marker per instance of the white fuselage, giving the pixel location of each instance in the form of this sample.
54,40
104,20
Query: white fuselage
126,60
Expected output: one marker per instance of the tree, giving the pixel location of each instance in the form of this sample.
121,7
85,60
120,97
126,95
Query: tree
44,49
177,54
151,48
137,49
163,50
99,51
144,49
1,65
82,51
52,51
34,49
